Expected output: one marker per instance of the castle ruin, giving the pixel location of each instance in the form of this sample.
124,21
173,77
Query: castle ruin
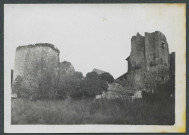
149,63
37,66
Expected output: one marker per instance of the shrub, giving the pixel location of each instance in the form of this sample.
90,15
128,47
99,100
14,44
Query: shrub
69,85
16,86
92,85
107,77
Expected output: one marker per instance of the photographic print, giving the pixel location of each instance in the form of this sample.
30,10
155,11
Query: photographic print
95,68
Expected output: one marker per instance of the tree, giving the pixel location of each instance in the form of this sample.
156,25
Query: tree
92,85
107,77
69,85
16,86
23,87
74,83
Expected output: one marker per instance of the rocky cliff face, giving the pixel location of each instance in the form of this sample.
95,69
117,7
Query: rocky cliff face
149,63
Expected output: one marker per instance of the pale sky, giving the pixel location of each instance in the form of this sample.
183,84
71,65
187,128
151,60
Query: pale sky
89,35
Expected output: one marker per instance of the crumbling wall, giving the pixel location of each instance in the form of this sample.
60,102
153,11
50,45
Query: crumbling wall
156,50
12,71
136,62
149,61
66,70
172,64
157,60
37,65
137,52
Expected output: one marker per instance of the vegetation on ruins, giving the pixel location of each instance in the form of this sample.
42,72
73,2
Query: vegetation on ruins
52,92
69,86
39,45
91,86
107,77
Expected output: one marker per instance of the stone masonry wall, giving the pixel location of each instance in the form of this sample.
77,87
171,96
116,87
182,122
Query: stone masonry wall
37,66
149,61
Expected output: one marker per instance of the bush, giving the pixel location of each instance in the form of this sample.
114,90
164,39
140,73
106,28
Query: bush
91,86
107,77
32,88
16,86
69,85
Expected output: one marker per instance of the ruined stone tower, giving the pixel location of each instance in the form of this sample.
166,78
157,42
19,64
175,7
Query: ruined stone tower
157,60
36,67
149,61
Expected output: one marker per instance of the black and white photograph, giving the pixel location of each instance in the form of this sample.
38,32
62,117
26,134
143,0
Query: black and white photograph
94,68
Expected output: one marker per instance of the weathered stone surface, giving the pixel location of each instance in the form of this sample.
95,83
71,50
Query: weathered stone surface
137,58
115,91
12,71
37,66
172,63
157,58
156,50
66,70
149,63
38,72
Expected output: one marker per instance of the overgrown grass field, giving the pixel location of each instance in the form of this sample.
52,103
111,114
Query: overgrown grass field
89,111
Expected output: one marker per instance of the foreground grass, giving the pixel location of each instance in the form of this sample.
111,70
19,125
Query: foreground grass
86,111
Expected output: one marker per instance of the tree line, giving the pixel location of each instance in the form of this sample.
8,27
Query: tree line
73,85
